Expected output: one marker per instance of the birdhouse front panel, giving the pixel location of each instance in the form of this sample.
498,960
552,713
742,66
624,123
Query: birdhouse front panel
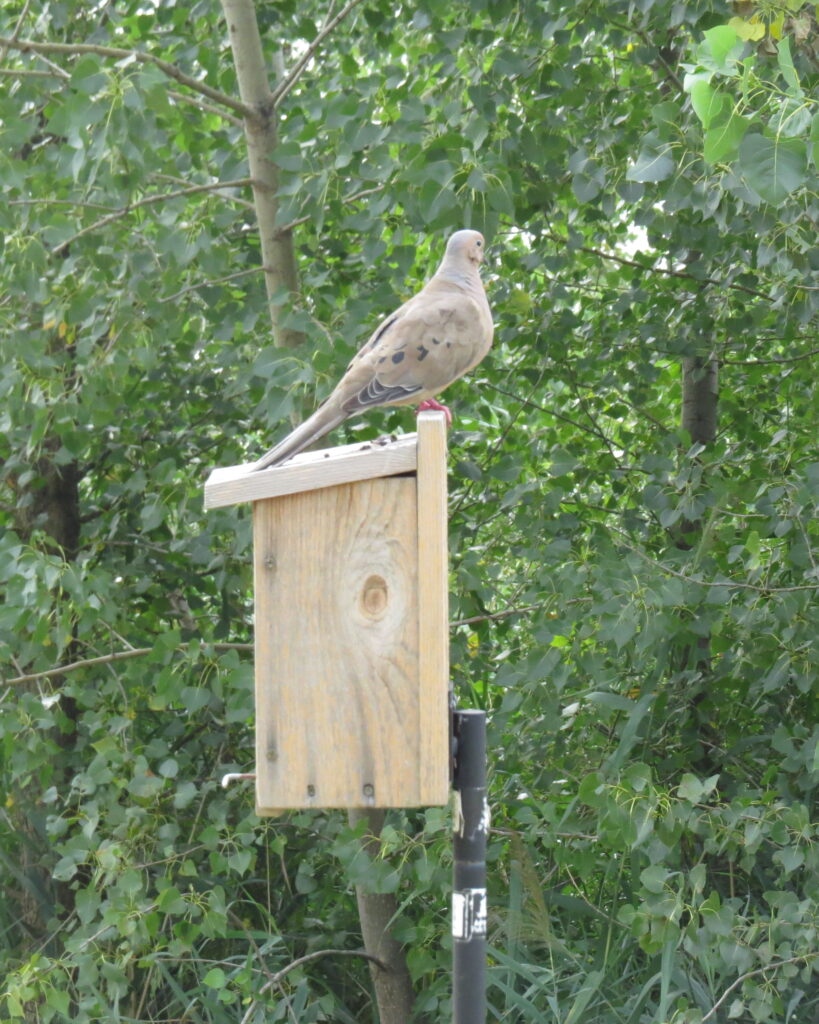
351,621
338,718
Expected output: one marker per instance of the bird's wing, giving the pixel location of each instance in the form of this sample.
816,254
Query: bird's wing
431,341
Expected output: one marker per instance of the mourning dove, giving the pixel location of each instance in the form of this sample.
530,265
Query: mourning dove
425,345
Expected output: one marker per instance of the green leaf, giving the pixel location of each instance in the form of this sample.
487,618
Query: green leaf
169,768
606,699
790,857
697,877
59,999
654,162
786,66
722,142
666,117
710,105
592,790
750,29
289,157
773,167
690,788
720,50
814,139
171,901
591,983
215,978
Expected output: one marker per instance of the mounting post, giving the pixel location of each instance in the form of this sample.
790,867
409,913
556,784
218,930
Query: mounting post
469,869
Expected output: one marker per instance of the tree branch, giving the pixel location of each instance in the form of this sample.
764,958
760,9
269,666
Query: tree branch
766,362
261,134
209,108
550,412
494,616
211,283
345,201
184,182
315,955
707,583
15,31
297,70
148,201
685,275
76,49
751,974
31,73
107,659
75,204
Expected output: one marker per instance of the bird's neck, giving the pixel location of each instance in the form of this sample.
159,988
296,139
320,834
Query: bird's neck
465,277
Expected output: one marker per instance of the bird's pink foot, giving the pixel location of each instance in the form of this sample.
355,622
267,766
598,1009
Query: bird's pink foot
430,403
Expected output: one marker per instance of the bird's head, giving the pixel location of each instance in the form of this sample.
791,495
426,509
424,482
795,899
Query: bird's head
466,245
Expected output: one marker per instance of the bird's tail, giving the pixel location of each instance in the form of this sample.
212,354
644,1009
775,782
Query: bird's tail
323,420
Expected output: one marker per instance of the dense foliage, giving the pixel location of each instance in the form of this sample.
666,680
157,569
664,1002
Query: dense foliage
635,606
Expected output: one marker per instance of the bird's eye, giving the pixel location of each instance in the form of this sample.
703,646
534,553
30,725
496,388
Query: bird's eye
479,243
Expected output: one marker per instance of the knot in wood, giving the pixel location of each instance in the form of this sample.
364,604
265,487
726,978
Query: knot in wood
374,596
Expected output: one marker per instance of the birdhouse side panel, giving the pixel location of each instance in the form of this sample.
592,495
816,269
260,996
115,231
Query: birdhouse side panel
433,609
337,697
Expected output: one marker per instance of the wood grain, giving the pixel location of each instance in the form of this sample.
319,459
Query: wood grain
433,609
337,712
309,471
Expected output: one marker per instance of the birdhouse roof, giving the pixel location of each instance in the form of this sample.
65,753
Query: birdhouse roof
230,485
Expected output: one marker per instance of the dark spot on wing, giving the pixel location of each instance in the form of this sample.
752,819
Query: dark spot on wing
423,352
436,341
398,357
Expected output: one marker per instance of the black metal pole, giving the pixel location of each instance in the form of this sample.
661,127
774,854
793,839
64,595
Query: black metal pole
469,874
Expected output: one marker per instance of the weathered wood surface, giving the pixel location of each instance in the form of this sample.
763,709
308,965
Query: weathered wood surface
433,608
309,471
337,711
352,639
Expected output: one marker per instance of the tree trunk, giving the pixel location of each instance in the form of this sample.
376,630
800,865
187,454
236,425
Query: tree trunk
394,993
392,984
261,133
700,396
49,502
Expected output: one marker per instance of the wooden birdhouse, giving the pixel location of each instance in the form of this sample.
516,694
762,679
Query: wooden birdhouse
351,622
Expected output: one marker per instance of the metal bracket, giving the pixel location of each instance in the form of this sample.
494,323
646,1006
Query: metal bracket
236,777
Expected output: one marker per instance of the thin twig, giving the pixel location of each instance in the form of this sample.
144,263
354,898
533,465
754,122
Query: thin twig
209,108
349,199
259,956
184,182
30,73
707,583
684,274
55,68
210,283
494,616
277,977
106,659
764,362
15,31
76,49
751,974
44,201
296,71
549,412
123,211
